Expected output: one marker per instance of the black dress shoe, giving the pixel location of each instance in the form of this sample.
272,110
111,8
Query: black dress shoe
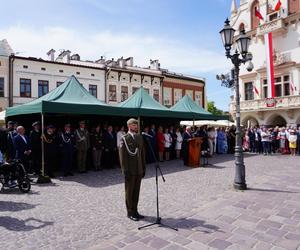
139,216
133,217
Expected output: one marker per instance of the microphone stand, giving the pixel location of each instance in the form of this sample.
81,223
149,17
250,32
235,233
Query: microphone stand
157,169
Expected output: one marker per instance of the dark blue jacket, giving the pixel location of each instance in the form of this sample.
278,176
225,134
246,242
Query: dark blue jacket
21,146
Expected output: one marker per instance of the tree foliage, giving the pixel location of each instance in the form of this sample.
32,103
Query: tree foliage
213,109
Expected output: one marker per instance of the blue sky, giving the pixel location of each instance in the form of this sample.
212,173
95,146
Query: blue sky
182,34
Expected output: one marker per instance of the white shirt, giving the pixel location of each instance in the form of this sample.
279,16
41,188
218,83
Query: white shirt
120,134
24,139
168,140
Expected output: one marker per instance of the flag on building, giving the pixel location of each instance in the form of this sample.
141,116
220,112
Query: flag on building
256,90
278,5
258,14
292,87
270,64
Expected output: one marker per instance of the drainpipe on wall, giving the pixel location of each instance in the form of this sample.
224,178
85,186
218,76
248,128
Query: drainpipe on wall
11,60
107,71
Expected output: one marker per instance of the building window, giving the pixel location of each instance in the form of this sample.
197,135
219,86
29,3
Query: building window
124,93
249,91
25,87
167,96
43,87
134,89
147,90
1,87
43,69
61,71
112,93
59,83
286,85
198,98
78,73
254,18
156,94
93,90
25,67
92,74
265,88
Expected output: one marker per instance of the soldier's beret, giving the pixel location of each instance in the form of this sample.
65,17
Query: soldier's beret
36,123
132,121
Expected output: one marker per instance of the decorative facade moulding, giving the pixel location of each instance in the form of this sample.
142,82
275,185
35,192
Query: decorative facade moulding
273,26
278,66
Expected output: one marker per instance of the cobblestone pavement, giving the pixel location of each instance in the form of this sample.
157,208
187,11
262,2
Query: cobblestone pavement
88,211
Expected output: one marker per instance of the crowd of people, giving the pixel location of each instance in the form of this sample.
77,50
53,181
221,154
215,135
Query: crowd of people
263,140
67,149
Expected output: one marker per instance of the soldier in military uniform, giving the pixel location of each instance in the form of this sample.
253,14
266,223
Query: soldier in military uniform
10,148
97,147
82,145
67,146
36,147
132,160
50,147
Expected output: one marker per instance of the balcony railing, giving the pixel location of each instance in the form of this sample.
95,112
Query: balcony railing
275,25
261,104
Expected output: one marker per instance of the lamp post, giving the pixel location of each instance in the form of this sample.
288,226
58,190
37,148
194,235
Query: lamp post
227,35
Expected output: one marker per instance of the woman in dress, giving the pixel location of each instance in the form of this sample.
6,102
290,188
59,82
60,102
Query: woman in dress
211,140
168,143
222,141
160,139
178,143
293,142
283,140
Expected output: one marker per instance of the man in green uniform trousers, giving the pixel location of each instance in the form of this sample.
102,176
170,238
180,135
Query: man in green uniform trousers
82,145
132,160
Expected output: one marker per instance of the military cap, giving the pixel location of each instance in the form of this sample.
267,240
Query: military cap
132,121
36,123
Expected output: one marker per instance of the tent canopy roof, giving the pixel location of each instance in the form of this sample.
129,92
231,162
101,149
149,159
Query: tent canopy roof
186,104
69,97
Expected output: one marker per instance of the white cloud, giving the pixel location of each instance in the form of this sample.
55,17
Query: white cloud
174,55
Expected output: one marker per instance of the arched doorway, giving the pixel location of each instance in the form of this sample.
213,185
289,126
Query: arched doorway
249,121
276,120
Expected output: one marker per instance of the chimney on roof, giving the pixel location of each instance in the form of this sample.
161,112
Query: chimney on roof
51,54
154,64
121,62
75,57
129,61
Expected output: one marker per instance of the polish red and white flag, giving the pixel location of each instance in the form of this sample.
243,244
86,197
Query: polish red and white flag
270,64
258,14
278,6
292,87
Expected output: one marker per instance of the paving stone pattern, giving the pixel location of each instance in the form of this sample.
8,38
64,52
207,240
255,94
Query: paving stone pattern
88,211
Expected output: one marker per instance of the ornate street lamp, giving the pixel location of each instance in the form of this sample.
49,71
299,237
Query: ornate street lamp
243,42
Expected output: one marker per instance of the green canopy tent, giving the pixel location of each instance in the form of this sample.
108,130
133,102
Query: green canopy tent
69,98
192,110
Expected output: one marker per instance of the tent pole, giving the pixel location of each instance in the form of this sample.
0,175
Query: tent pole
42,178
43,149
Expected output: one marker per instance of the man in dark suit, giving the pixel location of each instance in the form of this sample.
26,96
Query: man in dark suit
22,147
133,164
187,135
10,147
110,147
36,147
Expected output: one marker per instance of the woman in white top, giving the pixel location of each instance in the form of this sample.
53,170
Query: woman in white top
211,140
168,143
178,145
120,134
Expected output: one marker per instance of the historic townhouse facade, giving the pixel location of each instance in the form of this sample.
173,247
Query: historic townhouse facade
284,23
23,79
